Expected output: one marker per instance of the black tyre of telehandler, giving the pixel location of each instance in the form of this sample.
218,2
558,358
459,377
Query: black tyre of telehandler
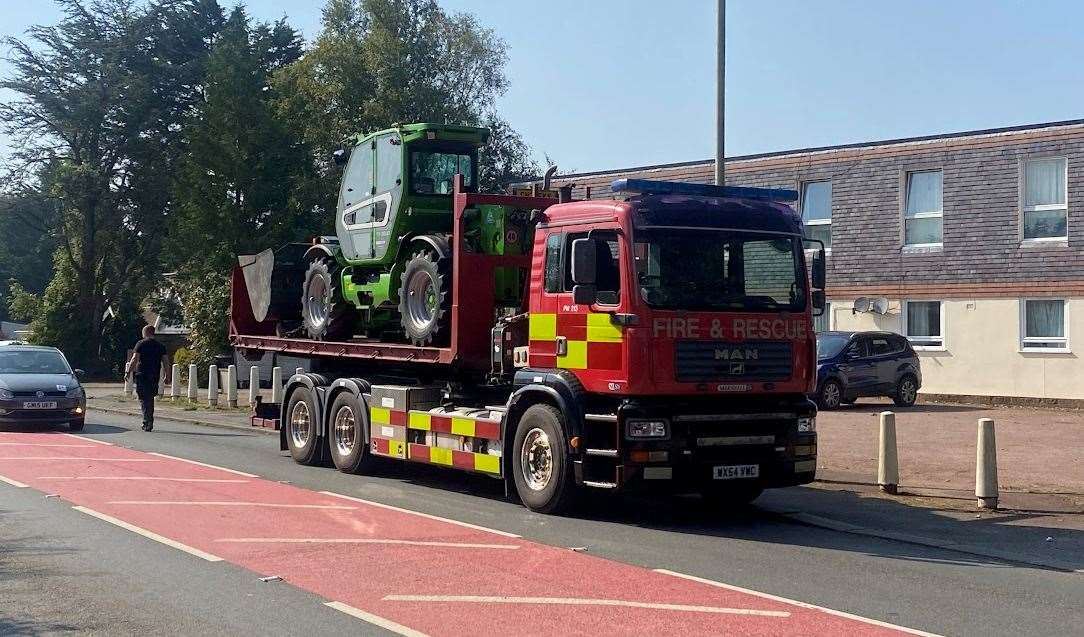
325,313
425,298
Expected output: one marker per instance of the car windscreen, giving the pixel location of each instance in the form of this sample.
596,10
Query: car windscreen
829,345
33,362
719,270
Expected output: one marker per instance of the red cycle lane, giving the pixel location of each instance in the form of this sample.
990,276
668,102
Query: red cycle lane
420,574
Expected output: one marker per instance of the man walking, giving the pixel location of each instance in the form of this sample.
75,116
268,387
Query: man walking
146,368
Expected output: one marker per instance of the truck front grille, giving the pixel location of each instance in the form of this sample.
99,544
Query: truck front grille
708,361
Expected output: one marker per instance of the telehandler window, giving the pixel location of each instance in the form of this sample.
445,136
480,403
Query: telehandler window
431,171
357,183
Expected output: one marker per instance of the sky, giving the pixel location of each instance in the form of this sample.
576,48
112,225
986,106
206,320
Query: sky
607,84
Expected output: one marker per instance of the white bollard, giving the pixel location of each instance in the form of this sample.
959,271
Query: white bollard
231,386
193,383
276,385
986,465
253,384
888,466
175,382
212,386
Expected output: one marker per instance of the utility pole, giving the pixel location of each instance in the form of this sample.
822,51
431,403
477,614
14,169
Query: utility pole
720,89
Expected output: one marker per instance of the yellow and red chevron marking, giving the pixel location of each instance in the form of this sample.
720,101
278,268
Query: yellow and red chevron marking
594,342
387,447
486,428
470,461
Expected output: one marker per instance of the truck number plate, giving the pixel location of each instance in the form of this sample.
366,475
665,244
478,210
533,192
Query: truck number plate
737,471
40,405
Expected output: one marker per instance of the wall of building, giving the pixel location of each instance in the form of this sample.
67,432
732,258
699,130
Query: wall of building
982,350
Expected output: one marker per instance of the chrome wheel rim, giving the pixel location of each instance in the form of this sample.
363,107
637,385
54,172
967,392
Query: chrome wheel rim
831,395
536,459
421,299
316,301
299,424
345,431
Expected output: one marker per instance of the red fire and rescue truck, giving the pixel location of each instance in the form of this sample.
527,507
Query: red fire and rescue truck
663,341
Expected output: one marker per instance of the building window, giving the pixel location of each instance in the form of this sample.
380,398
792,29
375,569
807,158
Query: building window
1043,323
823,323
817,211
922,208
924,324
1045,209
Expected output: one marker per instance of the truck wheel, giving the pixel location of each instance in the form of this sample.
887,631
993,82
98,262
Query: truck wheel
323,310
302,432
347,434
541,465
425,298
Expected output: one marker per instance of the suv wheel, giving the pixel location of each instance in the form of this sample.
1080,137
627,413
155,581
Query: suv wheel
906,391
830,395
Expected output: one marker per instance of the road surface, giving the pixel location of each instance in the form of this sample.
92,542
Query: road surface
134,537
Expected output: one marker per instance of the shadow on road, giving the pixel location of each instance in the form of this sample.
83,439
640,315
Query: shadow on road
917,408
36,428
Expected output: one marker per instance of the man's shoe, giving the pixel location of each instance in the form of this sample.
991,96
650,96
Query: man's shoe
147,426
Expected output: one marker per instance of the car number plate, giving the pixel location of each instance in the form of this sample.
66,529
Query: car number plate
737,471
40,405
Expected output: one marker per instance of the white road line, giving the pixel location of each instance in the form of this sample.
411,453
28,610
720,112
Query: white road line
80,458
94,440
43,444
793,602
375,620
149,534
576,601
14,483
142,478
422,515
204,464
286,540
227,503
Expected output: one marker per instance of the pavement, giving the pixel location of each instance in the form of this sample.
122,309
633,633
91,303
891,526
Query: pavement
430,564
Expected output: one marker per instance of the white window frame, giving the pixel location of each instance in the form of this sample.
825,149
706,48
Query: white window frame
940,315
1024,209
816,222
827,314
1026,342
940,214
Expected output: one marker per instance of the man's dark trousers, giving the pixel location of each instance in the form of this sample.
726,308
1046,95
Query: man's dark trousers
146,389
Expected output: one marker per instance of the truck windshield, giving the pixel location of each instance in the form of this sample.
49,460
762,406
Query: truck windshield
706,270
432,170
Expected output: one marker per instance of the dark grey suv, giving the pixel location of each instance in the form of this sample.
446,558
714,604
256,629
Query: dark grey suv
38,386
855,364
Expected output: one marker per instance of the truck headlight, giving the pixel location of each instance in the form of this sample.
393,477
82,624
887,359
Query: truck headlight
6,394
806,425
647,428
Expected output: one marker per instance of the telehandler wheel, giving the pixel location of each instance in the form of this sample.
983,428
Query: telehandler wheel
425,298
325,313
541,464
347,433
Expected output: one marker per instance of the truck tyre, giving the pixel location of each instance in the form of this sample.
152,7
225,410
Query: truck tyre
347,434
425,298
302,426
323,310
541,465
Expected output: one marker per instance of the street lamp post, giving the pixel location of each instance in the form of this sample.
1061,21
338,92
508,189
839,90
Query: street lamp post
720,89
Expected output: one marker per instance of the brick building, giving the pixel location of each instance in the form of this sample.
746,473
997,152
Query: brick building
974,239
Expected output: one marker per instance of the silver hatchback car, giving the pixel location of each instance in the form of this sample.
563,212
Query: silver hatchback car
37,385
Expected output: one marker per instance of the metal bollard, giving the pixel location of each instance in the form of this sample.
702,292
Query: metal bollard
253,384
888,466
175,382
276,385
231,386
212,386
193,383
986,465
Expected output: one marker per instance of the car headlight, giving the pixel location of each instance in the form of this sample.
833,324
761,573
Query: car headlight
806,425
6,394
647,428
75,392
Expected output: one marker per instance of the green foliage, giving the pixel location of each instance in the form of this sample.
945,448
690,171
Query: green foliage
26,247
183,357
205,304
22,305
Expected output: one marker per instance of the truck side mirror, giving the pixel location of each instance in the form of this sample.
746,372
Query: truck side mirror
818,275
584,267
818,301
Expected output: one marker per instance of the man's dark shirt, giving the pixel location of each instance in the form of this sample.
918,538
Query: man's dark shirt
150,353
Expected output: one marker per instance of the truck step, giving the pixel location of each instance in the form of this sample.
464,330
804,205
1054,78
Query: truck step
607,453
599,485
600,417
